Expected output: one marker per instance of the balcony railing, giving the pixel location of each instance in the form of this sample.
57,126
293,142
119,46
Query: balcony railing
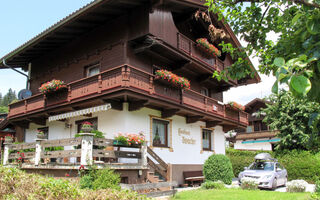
126,77
190,47
74,152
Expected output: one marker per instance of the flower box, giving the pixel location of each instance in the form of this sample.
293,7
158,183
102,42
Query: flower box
169,78
236,106
52,86
206,47
86,127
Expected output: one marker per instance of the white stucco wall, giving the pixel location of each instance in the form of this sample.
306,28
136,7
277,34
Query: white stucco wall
253,146
113,122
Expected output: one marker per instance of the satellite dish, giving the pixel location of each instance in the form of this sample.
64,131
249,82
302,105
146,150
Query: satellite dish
23,94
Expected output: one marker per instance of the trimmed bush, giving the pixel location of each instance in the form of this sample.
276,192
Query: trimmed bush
213,185
218,168
299,164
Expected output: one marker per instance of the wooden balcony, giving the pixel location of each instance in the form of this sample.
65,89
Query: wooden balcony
142,85
256,135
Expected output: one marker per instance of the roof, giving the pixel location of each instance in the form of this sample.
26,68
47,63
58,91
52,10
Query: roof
76,24
84,19
255,102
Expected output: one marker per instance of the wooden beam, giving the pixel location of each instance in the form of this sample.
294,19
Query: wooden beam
193,119
22,124
117,105
227,128
166,113
137,105
210,124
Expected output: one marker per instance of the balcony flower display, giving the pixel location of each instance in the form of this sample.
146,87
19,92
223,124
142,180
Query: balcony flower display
209,48
129,139
8,138
172,78
52,86
236,105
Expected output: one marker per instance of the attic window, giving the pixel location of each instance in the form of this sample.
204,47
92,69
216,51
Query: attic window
92,70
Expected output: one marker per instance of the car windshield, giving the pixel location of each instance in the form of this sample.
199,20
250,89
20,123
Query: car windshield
267,166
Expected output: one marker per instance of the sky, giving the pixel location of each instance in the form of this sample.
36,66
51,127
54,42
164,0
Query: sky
21,20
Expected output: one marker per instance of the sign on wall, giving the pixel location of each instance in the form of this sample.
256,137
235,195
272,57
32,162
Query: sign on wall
186,140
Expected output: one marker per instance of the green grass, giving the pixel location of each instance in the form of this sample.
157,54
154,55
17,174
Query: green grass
239,194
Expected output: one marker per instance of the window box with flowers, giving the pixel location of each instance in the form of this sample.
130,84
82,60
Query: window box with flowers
207,48
129,140
169,78
52,87
41,135
236,106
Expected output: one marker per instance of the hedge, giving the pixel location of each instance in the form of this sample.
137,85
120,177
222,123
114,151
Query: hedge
299,164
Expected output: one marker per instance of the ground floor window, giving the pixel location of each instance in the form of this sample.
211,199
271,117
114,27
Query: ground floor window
206,139
160,133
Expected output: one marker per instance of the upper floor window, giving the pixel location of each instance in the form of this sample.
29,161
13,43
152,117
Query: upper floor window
204,91
92,70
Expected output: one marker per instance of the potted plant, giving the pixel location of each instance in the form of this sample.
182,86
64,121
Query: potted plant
173,79
156,139
41,135
86,127
52,86
120,140
208,48
135,140
8,138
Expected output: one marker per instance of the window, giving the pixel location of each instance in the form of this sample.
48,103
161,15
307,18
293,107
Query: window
93,121
206,139
92,70
264,126
45,130
160,133
256,126
204,91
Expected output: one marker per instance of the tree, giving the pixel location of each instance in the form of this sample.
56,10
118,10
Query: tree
292,118
3,109
293,59
9,97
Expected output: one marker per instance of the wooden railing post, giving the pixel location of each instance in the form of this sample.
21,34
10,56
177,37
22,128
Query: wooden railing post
39,149
86,148
7,145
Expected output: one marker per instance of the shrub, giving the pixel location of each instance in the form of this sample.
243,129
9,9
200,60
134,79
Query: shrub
213,185
106,178
249,183
218,168
297,186
317,188
100,179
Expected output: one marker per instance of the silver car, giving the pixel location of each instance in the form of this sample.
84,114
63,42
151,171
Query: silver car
268,172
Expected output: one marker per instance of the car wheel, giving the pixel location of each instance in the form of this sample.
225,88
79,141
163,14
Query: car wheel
274,183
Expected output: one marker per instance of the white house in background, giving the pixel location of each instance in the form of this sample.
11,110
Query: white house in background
108,53
257,135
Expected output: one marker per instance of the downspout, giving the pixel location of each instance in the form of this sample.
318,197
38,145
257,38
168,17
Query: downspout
29,71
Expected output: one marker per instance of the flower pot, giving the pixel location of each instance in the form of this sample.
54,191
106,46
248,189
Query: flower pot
119,143
41,136
87,129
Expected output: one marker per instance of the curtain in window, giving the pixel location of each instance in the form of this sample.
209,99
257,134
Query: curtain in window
159,133
206,139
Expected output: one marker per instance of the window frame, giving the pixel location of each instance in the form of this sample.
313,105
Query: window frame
169,133
210,139
166,123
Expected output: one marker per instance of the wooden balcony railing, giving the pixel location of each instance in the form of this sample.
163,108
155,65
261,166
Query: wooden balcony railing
72,152
189,47
126,77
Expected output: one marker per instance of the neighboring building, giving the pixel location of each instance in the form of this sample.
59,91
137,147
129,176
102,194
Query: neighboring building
257,136
108,52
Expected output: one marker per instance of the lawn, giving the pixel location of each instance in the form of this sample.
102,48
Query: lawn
239,194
